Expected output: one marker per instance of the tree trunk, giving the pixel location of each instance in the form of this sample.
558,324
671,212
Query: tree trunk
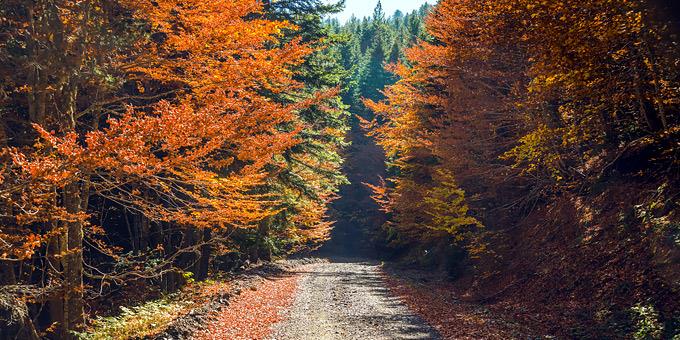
203,264
262,250
56,246
648,112
56,61
189,259
138,230
74,200
170,279
66,307
143,241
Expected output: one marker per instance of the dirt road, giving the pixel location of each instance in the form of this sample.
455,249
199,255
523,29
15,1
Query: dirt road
345,299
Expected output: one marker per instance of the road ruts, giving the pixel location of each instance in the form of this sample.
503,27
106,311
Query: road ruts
348,300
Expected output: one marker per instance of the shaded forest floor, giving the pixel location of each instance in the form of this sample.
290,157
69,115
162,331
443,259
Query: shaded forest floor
437,301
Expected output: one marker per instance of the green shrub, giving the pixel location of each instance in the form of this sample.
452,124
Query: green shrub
137,322
647,325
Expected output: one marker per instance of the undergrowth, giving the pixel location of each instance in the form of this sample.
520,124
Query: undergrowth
152,317
647,323
137,322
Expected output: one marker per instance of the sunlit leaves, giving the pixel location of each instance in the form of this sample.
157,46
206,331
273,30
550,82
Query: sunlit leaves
513,91
195,159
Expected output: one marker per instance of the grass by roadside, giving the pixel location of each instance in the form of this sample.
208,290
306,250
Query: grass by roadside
153,317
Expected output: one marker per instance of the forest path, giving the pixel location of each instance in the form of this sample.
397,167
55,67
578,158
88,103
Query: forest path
346,299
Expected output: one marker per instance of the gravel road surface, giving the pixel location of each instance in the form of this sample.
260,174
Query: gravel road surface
346,299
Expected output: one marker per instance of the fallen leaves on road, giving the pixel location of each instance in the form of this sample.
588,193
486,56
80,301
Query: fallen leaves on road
251,314
453,319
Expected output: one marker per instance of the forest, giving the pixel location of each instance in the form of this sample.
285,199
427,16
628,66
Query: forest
187,169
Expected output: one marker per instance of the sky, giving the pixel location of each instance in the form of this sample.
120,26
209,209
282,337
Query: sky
362,8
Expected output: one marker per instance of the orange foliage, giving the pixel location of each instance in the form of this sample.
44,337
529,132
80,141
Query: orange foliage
196,161
517,98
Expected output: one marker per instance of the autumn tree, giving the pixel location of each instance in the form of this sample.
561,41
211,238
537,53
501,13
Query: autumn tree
596,81
62,49
519,100
193,160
